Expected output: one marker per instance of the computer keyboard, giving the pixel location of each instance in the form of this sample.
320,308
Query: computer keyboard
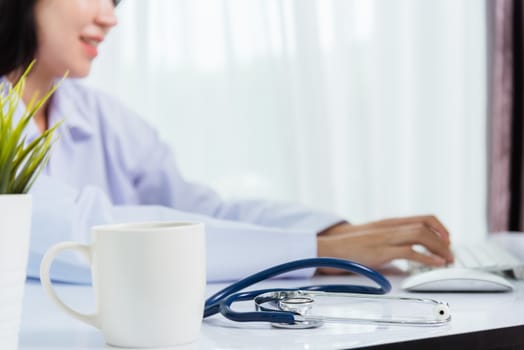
486,256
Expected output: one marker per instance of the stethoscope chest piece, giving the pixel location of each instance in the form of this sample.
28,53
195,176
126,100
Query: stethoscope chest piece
296,302
300,305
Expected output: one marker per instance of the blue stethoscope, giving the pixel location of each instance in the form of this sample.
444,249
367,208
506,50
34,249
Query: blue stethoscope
290,307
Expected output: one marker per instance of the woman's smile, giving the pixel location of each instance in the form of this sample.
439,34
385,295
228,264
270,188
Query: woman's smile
90,45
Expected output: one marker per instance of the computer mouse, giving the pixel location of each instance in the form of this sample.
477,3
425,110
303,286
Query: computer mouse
454,279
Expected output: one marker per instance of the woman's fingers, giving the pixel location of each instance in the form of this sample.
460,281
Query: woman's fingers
406,235
419,233
430,221
379,242
406,252
436,226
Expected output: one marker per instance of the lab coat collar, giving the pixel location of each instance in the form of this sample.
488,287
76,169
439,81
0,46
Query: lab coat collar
71,109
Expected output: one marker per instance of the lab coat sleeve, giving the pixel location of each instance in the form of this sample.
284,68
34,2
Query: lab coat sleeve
234,249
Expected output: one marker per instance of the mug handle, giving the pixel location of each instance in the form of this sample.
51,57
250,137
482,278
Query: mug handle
45,265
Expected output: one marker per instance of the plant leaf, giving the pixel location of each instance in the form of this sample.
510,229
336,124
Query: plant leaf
21,163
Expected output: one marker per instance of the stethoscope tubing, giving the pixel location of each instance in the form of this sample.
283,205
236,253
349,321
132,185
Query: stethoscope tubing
221,301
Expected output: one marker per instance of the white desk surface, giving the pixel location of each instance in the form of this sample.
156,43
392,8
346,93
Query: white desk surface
44,326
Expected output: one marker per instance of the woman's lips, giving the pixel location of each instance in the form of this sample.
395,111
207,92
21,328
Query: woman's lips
90,46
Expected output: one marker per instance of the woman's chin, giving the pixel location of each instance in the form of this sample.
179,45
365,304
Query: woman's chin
79,72
79,68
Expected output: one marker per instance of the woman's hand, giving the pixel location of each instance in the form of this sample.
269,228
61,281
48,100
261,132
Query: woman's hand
376,243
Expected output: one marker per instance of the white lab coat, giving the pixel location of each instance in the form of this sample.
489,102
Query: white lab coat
109,166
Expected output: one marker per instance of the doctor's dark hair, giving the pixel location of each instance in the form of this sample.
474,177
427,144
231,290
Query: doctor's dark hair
18,42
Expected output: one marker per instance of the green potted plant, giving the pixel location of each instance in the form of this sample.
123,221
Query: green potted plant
20,164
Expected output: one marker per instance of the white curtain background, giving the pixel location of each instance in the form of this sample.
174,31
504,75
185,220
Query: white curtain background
370,109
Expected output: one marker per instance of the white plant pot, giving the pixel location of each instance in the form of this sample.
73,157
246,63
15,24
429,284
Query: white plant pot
15,227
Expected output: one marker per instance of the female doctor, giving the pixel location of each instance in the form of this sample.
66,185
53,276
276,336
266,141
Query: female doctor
109,166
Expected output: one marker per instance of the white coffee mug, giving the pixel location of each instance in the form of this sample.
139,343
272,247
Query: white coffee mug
149,281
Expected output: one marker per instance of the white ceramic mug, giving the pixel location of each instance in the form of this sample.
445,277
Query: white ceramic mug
149,281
